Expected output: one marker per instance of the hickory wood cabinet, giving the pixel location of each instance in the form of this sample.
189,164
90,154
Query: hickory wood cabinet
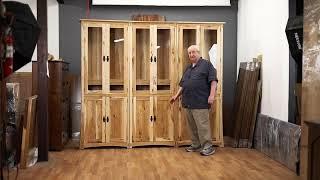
129,72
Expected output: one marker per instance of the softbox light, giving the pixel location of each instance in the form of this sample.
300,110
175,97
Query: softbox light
25,31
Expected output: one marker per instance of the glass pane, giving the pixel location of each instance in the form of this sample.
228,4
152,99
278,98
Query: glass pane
143,59
189,38
210,38
211,50
163,59
116,59
95,58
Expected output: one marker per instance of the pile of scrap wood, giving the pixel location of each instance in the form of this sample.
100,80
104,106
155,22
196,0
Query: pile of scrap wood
245,110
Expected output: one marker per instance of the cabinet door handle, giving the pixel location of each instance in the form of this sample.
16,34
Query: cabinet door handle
107,58
104,119
154,59
154,118
151,118
151,59
104,58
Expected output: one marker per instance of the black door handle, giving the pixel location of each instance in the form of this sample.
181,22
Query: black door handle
151,118
154,118
151,59
155,59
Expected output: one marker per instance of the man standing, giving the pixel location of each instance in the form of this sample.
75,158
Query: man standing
198,86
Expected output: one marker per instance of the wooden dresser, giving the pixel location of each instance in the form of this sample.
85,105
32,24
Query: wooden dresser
58,102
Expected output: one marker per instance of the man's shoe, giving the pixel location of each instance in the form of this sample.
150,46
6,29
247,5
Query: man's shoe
207,151
193,148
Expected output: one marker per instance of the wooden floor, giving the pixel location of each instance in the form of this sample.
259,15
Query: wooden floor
156,163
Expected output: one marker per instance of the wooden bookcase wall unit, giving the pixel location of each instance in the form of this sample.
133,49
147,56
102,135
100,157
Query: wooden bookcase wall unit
130,70
205,36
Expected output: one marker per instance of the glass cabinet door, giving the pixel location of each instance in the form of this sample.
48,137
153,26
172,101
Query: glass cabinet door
118,58
94,57
188,35
164,57
211,48
142,57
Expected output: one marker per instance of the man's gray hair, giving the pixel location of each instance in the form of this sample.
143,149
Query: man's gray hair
195,47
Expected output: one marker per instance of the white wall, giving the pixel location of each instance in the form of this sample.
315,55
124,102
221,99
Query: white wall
261,30
53,29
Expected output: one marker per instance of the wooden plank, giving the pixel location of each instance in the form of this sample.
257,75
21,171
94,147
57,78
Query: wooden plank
84,86
104,58
131,80
240,98
247,102
42,49
147,17
220,84
184,23
29,122
109,144
255,112
160,143
153,54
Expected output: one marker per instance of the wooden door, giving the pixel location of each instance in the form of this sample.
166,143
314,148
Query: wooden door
142,125
189,34
116,119
211,41
95,54
163,126
142,56
214,116
164,58
118,59
183,129
93,121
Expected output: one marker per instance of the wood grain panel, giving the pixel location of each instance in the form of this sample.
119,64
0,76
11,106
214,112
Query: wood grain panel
94,120
142,124
163,122
214,120
118,119
184,134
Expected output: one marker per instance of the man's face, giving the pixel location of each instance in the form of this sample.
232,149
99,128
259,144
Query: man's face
193,55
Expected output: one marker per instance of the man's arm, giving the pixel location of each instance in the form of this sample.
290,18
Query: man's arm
212,92
175,97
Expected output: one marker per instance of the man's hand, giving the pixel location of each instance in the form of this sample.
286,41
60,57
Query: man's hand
173,99
210,99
